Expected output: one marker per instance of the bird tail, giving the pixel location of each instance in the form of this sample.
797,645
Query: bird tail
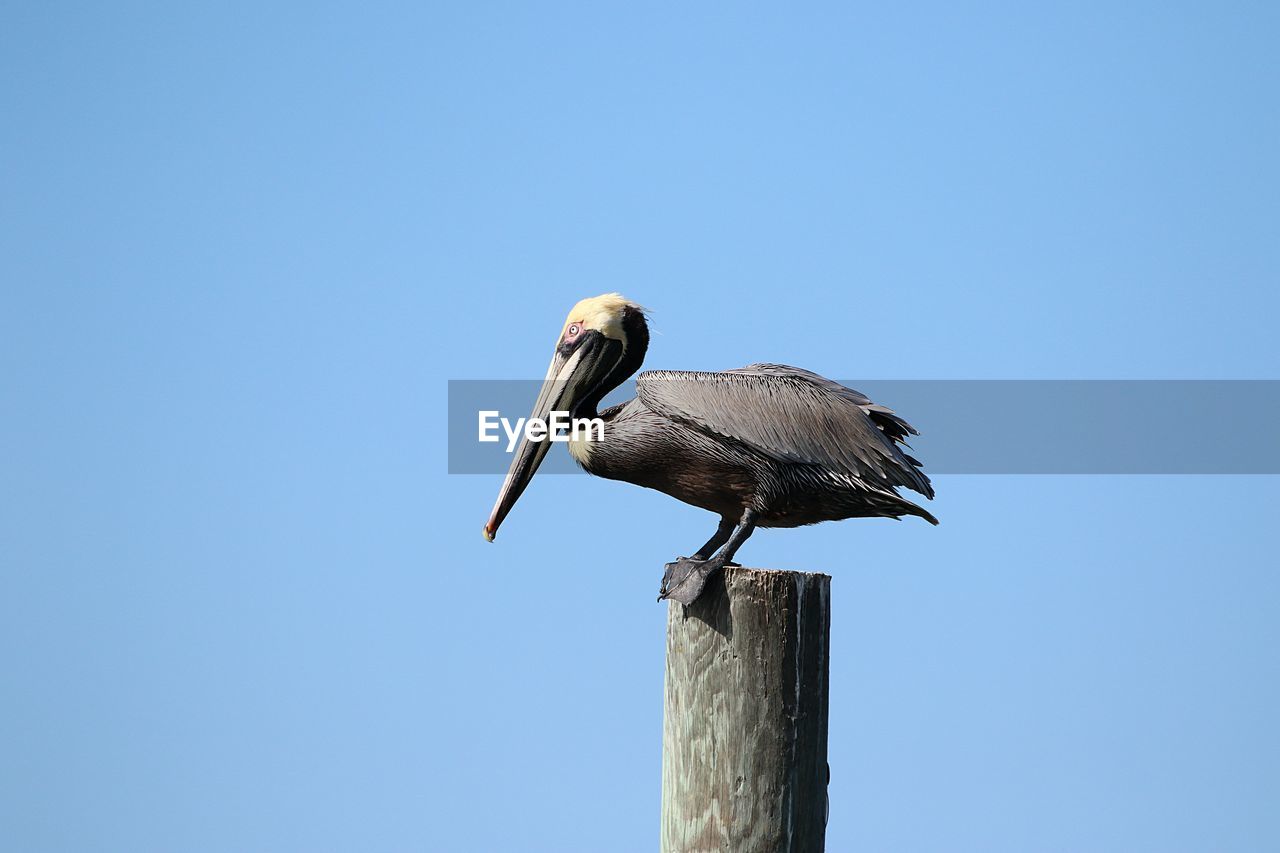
899,506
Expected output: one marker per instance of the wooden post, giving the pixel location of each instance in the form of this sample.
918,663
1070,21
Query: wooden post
744,733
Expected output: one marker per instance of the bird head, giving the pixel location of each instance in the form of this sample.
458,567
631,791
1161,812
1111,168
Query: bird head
602,342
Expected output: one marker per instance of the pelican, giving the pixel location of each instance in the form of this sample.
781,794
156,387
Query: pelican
762,446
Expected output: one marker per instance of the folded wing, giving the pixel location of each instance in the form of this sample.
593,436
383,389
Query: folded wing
791,415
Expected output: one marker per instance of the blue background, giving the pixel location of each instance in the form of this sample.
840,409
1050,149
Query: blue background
243,247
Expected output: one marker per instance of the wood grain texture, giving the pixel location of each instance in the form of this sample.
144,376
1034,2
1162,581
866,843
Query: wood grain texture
744,735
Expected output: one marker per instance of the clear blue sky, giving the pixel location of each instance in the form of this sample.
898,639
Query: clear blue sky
243,247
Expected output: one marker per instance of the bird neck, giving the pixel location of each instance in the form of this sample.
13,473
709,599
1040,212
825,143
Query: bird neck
636,332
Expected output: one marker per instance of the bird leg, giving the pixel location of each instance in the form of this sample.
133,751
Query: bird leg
684,579
721,536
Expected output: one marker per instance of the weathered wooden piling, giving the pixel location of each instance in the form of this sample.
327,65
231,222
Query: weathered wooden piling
744,734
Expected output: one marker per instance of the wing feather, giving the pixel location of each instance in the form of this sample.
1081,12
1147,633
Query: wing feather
791,415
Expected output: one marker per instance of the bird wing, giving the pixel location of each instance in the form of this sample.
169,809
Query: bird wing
791,415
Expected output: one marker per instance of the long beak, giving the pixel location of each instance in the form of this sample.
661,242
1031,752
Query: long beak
568,380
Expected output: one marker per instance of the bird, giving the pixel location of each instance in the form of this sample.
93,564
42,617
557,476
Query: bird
766,445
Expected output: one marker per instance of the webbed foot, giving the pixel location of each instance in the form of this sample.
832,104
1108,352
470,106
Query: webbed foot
684,579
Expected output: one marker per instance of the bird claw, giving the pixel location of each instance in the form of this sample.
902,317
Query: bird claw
684,579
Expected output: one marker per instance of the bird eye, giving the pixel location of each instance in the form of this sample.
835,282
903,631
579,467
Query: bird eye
574,329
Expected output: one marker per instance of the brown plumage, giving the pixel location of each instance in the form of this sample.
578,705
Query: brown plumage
765,445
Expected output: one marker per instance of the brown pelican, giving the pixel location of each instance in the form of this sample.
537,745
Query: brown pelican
761,446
